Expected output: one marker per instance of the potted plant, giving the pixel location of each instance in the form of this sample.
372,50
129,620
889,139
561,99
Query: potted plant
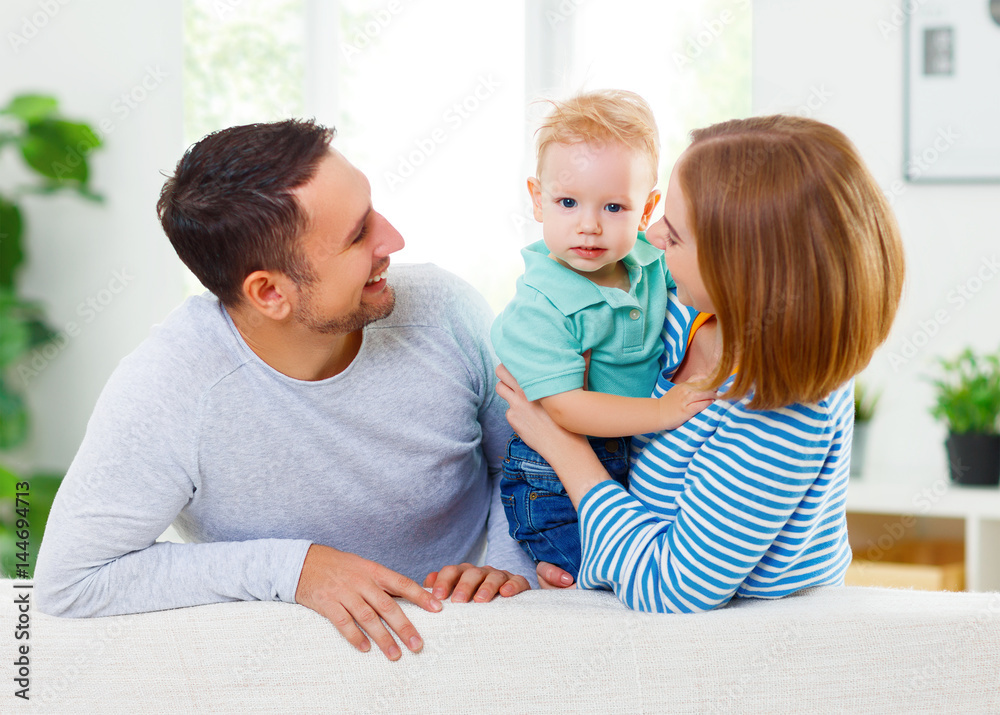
968,402
865,401
55,151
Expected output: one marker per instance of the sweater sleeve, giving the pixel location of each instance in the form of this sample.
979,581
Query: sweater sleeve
475,317
135,471
760,492
502,550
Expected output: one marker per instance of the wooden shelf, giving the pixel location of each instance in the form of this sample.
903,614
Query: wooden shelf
882,514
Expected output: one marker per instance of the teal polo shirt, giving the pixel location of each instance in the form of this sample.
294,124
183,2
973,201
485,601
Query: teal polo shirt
557,315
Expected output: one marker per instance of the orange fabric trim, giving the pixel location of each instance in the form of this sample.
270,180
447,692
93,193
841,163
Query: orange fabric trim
699,320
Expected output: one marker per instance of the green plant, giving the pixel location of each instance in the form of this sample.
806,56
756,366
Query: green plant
865,402
54,150
968,393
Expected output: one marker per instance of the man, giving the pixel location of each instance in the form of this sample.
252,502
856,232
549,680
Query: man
321,429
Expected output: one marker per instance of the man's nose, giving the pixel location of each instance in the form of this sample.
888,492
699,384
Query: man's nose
389,239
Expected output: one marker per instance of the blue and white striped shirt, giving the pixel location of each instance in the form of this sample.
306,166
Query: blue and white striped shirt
734,502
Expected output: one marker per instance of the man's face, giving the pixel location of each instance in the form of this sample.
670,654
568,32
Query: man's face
592,200
347,245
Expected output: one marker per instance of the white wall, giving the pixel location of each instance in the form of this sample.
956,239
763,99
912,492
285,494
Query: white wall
842,63
106,269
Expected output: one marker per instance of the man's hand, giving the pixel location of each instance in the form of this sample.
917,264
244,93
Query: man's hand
551,576
356,595
463,580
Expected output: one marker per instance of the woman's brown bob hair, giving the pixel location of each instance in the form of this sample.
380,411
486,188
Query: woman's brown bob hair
799,252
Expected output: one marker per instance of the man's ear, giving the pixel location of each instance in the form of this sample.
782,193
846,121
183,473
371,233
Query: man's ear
535,190
270,293
647,212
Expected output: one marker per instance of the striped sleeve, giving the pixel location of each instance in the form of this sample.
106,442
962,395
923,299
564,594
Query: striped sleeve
734,502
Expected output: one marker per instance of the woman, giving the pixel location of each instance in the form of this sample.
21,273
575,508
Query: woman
789,269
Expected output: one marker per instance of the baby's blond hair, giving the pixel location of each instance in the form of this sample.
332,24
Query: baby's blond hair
601,117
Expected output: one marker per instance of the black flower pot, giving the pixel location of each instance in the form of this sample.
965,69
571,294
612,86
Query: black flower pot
974,458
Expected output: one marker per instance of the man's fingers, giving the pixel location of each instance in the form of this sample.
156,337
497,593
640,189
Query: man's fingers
430,579
370,621
492,584
396,584
393,615
356,595
344,622
515,585
447,578
468,583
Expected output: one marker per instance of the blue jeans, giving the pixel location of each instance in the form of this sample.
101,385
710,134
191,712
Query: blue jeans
540,516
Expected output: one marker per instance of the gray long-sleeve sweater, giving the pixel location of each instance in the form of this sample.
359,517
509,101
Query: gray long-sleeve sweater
394,459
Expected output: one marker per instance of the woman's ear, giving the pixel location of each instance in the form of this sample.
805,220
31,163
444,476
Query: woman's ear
647,212
535,190
270,294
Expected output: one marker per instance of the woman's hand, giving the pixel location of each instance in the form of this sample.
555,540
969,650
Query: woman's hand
551,576
532,423
569,454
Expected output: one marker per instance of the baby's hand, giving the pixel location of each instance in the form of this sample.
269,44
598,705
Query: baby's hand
682,402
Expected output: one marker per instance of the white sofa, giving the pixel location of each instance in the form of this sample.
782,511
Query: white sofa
824,650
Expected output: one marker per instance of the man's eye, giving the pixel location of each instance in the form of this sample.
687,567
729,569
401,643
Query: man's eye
361,236
567,203
614,208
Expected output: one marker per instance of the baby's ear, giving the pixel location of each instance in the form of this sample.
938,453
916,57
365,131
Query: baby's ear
647,211
535,191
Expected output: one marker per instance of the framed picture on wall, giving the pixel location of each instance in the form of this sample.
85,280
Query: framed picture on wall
952,91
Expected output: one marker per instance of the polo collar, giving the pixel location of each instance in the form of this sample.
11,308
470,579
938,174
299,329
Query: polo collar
570,292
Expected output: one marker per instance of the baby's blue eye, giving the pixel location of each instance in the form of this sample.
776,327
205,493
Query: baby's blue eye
567,203
614,208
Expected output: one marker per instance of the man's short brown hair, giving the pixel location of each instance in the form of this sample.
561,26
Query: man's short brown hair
799,252
229,209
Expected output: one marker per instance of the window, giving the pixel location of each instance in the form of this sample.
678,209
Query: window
433,100
243,63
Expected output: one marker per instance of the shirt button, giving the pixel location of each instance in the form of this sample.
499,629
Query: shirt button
635,314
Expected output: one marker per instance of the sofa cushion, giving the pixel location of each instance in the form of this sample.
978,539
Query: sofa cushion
826,649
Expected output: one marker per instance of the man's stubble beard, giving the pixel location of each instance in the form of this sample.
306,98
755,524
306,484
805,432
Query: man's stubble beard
365,314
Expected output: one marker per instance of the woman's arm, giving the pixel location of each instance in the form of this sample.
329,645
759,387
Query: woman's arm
758,509
759,505
568,453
